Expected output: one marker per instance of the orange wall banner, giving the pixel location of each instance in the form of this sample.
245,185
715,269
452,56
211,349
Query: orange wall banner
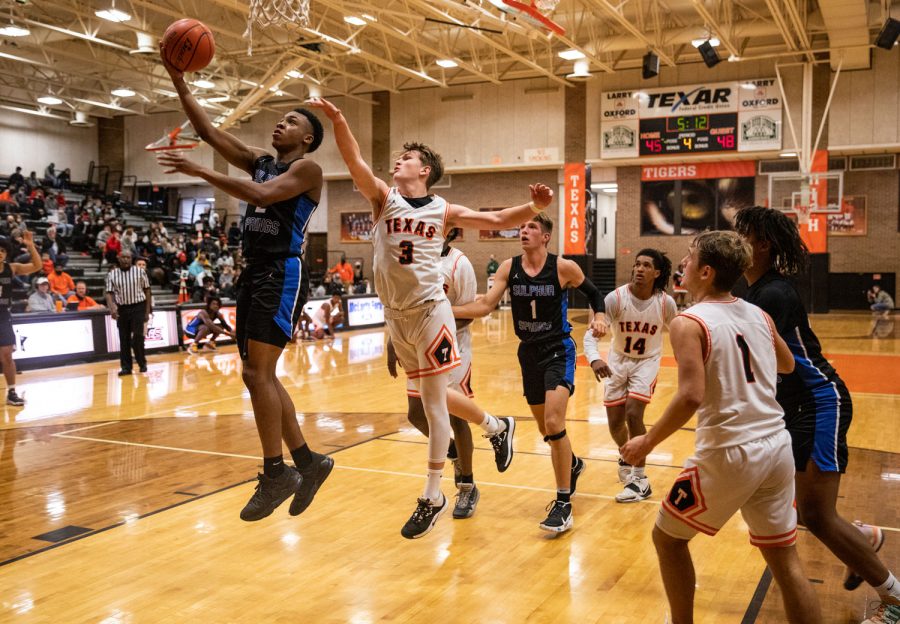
699,171
815,233
573,205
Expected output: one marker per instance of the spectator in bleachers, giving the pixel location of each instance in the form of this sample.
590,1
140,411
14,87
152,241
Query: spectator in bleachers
50,175
61,283
17,179
54,246
80,300
46,264
22,196
41,300
129,241
206,289
197,268
82,232
7,226
234,235
209,246
8,199
224,260
344,272
36,205
226,281
64,178
112,248
63,227
31,183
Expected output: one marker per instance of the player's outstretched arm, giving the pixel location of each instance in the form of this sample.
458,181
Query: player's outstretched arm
229,146
484,305
34,265
592,353
372,188
460,216
688,340
301,177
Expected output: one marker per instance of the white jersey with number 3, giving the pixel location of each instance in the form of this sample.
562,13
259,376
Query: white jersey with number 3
739,404
637,324
408,243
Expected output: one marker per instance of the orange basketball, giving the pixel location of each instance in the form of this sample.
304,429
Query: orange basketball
188,45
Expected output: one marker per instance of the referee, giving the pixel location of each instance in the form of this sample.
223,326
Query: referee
130,303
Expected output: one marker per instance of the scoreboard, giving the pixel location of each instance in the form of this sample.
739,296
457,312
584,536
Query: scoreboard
716,132
735,116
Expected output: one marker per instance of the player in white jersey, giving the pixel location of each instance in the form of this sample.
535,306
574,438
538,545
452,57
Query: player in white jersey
460,286
408,233
636,313
728,356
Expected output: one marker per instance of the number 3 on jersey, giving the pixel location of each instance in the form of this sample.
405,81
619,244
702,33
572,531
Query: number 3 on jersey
406,252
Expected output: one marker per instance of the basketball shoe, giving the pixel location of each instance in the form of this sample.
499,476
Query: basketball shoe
14,399
577,469
503,444
624,471
875,535
884,614
560,517
466,501
423,518
313,477
271,492
636,490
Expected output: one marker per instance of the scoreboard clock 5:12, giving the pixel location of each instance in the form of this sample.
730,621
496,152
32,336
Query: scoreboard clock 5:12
686,134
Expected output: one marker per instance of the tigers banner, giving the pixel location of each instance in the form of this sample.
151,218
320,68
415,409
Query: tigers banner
574,209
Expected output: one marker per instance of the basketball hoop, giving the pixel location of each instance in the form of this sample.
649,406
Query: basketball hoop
181,138
265,13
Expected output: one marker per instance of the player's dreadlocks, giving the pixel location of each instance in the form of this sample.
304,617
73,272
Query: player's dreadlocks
789,252
662,264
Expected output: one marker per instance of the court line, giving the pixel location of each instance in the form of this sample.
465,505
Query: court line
94,426
759,596
373,470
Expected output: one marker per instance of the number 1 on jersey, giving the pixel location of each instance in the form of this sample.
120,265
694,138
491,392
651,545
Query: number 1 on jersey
745,356
534,309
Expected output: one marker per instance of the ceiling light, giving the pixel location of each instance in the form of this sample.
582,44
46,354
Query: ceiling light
12,30
713,41
113,14
582,70
294,74
447,63
788,154
356,21
571,55
218,98
733,58
122,92
49,100
371,18
203,83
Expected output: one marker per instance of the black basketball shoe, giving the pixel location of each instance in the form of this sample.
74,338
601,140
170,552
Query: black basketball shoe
423,518
560,517
503,444
313,477
466,501
14,399
271,492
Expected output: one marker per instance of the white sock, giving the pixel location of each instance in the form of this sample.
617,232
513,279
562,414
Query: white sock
889,588
638,472
491,424
433,485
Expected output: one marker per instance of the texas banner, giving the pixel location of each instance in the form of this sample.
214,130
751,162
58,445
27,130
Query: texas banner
574,209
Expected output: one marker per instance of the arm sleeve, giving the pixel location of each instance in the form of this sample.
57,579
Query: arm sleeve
593,295
591,352
466,283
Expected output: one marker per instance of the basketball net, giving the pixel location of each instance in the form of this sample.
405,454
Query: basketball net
181,138
265,13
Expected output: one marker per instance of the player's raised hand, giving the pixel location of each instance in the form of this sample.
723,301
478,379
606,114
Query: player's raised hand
176,163
601,369
330,110
28,237
541,195
176,74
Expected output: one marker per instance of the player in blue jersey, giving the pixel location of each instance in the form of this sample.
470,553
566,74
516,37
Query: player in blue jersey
208,321
816,403
281,197
537,282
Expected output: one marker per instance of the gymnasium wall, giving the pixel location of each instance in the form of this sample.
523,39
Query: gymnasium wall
866,105
33,143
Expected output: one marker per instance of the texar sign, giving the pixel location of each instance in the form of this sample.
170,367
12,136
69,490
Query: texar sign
573,204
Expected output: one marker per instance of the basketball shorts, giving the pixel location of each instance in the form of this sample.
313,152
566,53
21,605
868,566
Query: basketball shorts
460,377
270,296
632,378
545,367
818,425
7,335
756,478
424,338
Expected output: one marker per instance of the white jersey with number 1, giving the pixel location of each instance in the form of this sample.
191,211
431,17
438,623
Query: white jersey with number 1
408,243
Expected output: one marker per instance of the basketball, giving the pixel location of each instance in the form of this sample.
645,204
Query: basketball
188,45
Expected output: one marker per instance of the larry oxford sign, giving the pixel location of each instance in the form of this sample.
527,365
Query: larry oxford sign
740,116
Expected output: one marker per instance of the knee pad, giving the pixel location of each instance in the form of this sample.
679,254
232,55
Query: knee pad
555,436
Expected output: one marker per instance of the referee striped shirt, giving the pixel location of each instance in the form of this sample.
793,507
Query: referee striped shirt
128,286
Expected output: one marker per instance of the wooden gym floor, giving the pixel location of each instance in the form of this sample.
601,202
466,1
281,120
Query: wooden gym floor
119,499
